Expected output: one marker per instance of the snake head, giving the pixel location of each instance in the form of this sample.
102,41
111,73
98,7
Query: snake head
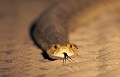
57,51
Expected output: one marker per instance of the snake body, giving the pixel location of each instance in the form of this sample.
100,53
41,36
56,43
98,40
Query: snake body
51,30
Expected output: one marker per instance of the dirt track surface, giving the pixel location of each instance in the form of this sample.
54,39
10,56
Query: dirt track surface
99,45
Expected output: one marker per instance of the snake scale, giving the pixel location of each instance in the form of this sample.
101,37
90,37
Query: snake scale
51,30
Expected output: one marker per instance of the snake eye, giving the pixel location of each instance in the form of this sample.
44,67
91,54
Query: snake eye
70,46
55,47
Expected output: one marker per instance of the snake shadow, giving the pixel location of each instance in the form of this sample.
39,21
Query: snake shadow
44,54
33,25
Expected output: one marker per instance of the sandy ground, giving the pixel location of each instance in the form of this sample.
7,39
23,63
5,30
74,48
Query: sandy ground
98,41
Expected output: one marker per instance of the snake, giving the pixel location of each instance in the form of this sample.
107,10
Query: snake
51,31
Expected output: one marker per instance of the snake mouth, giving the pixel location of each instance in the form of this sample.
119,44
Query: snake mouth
66,57
62,51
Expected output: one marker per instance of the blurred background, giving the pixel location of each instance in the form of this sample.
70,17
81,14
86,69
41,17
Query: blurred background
98,38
